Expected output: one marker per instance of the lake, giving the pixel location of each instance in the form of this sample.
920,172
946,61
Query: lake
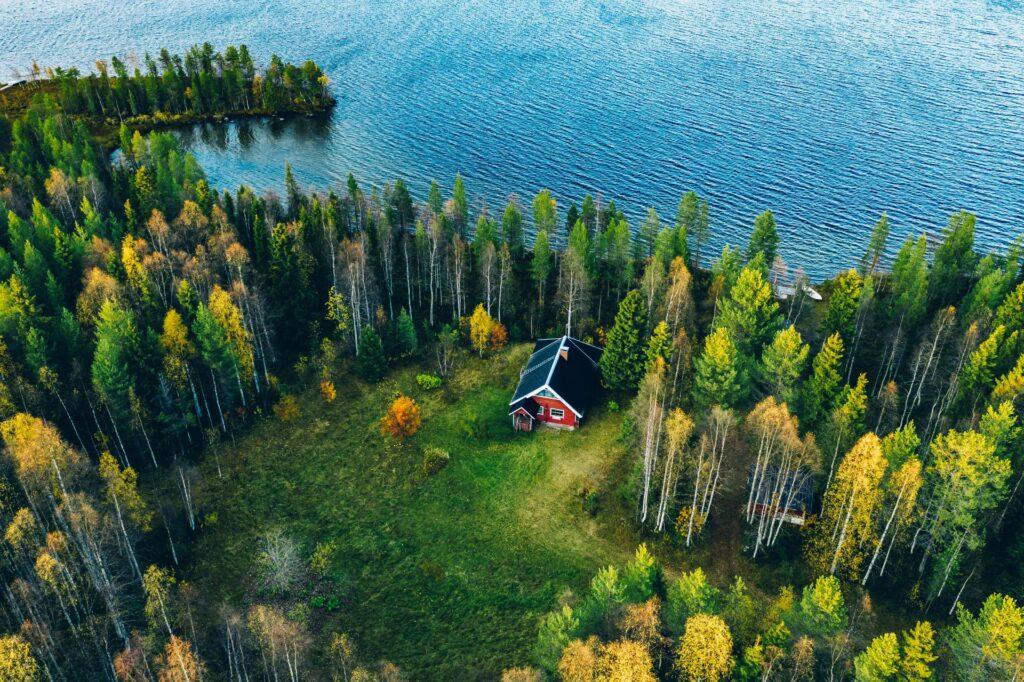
827,113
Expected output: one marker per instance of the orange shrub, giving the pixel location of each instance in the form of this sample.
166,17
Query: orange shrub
402,419
327,391
499,336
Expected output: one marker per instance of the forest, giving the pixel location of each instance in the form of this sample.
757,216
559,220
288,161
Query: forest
857,459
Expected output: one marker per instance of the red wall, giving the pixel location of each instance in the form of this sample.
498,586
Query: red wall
568,420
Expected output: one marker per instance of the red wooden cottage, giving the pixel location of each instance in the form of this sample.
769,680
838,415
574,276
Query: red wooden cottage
557,386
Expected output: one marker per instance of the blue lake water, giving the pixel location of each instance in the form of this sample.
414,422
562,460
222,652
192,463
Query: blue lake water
827,113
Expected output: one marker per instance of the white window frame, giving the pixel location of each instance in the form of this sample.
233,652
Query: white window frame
540,410
560,413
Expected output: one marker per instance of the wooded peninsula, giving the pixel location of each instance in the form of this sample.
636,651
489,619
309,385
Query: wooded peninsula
272,436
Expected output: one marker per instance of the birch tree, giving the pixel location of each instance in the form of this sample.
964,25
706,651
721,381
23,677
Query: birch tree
782,468
648,413
678,427
846,529
704,470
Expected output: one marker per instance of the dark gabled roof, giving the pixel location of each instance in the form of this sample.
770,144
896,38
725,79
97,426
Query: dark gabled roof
529,405
576,380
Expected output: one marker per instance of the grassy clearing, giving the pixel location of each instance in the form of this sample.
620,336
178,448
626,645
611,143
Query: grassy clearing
445,575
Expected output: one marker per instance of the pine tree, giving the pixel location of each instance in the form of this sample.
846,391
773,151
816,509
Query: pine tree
623,361
640,576
687,595
966,480
371,361
545,212
556,630
876,246
822,608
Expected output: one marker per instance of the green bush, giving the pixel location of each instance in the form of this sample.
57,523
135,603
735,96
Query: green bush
428,382
434,459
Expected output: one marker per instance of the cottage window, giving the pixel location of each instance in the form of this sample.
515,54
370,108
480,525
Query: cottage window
557,414
540,411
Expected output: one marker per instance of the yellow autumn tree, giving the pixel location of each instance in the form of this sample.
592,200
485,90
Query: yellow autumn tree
624,661
481,326
43,461
521,675
846,531
16,661
135,272
22,531
122,489
229,318
579,661
705,649
642,623
177,347
97,288
179,662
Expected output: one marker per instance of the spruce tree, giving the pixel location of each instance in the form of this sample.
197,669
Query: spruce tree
822,388
660,345
371,361
880,661
720,374
405,330
116,344
954,260
843,304
750,313
764,239
782,364
624,359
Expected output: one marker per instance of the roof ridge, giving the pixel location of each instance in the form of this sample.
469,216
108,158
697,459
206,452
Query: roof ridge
554,362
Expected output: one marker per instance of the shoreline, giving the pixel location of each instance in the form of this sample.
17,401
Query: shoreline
16,98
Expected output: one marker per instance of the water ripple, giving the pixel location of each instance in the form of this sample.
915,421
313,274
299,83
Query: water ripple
827,113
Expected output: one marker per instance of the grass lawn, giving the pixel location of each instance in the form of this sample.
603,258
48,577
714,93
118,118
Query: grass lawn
445,575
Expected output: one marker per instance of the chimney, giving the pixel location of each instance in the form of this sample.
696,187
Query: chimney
564,352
